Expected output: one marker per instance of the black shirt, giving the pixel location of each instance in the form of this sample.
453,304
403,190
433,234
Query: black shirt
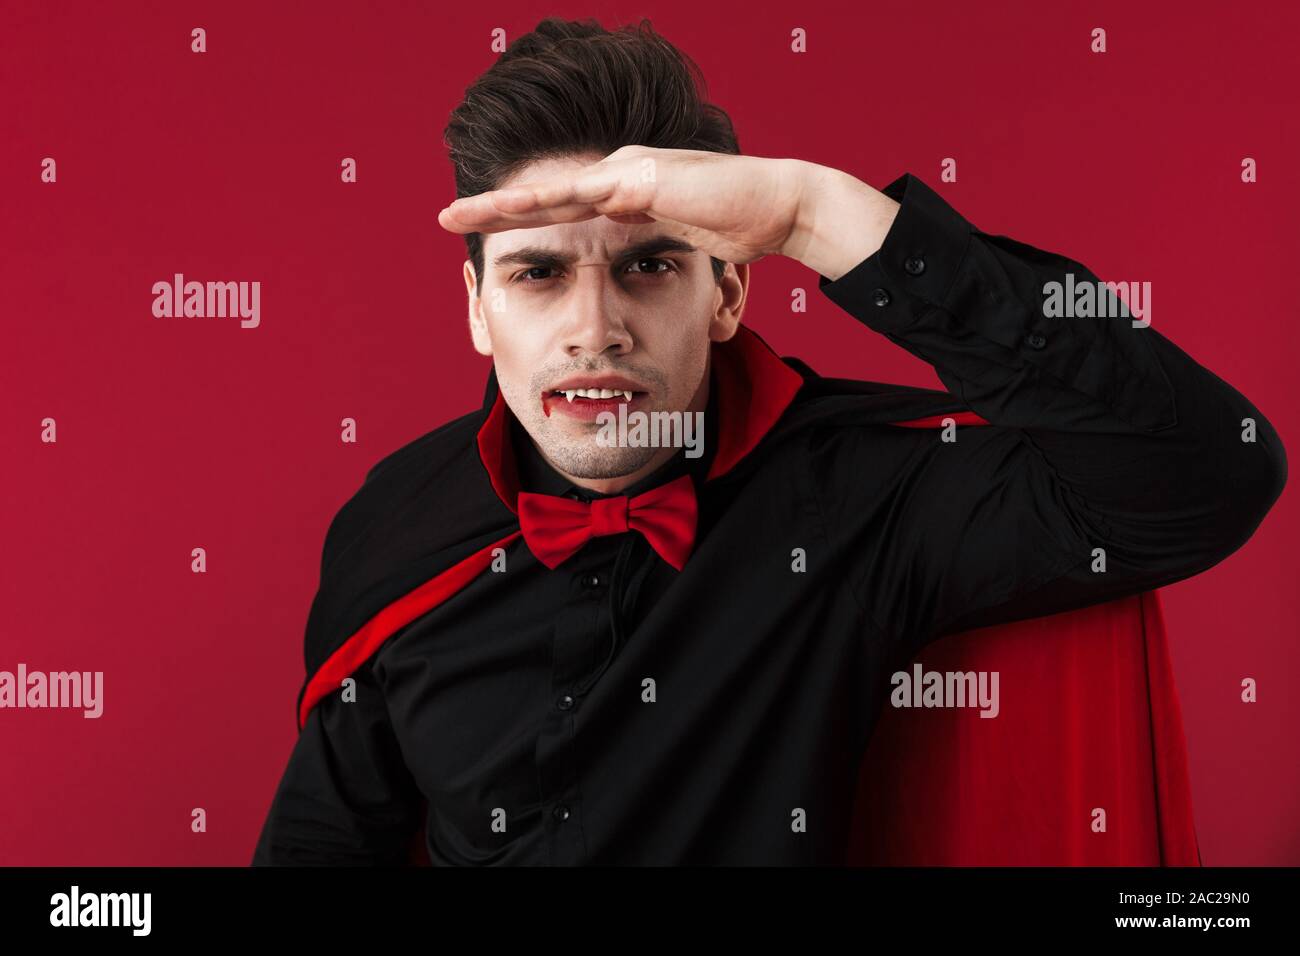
614,710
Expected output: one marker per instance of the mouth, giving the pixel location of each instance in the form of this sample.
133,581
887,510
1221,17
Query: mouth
585,403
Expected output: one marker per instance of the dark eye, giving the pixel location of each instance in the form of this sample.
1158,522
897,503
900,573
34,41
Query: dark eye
663,262
533,280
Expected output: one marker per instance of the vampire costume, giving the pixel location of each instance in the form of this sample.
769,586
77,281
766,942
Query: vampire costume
502,669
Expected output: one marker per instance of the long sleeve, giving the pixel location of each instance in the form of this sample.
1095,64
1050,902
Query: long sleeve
346,796
1102,435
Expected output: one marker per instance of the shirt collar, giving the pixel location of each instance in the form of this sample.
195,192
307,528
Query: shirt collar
750,390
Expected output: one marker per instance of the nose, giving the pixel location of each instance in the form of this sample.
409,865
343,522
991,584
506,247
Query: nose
594,320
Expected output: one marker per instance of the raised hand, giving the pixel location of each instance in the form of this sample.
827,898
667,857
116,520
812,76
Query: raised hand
736,208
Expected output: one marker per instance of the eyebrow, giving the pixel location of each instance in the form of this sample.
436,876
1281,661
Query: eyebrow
541,257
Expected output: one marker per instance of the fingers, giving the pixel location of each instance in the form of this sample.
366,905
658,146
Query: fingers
491,220
590,185
582,194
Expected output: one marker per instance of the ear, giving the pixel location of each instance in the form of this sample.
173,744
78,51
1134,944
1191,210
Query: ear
733,287
478,328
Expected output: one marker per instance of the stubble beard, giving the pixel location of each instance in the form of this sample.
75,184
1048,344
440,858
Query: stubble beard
588,459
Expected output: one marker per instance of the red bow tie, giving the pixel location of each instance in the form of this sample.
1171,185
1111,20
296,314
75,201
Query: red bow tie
555,528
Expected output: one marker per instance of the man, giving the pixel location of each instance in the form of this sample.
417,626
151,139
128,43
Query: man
542,643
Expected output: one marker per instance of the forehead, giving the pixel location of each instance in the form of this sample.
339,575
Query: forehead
598,237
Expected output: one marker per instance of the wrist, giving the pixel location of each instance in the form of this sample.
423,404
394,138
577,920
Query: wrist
839,220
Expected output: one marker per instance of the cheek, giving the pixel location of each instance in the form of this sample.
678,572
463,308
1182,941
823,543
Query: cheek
511,369
688,367
515,358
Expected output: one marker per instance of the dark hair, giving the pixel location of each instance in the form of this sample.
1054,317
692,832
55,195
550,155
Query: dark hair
571,86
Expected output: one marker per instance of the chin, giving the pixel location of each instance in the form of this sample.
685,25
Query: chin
590,460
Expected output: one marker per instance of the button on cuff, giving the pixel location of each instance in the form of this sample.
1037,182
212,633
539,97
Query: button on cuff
916,266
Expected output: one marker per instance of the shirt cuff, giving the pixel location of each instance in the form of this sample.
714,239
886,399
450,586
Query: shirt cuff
913,269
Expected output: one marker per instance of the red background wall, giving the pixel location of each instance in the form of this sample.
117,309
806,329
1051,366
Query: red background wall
183,433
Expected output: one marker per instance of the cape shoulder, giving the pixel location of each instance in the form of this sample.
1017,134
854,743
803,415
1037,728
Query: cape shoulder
824,402
420,509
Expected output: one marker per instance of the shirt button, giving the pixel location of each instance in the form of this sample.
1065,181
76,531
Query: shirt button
1035,341
591,580
880,297
914,266
561,812
565,703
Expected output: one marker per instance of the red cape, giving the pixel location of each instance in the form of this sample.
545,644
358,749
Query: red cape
1089,718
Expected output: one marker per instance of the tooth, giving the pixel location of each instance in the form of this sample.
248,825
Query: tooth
606,393
568,393
627,394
